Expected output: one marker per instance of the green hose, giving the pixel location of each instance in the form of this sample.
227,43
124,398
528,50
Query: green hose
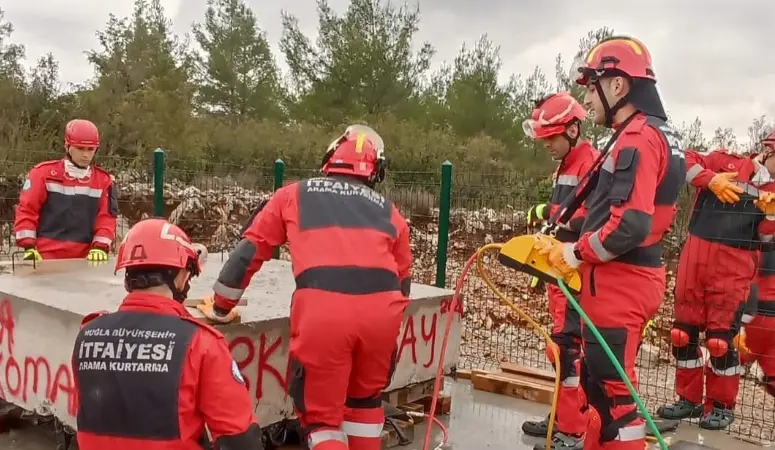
615,362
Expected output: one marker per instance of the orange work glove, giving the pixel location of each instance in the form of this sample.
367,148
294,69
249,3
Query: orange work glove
739,343
556,252
766,202
721,185
207,308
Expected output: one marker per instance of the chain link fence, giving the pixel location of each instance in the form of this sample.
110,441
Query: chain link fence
212,202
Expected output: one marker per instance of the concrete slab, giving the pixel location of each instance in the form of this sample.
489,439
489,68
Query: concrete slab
41,310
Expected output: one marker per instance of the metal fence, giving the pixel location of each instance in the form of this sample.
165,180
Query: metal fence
452,213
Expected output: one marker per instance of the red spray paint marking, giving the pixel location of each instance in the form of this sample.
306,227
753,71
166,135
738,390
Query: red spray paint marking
260,358
22,376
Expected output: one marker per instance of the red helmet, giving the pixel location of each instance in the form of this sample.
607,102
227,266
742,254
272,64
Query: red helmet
622,54
82,133
158,243
552,116
769,141
360,151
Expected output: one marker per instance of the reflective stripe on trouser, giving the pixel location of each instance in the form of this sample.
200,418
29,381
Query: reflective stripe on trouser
327,439
364,427
621,325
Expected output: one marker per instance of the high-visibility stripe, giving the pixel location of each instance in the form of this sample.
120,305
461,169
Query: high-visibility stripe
73,190
366,430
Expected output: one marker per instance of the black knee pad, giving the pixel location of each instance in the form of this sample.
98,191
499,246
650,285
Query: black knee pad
296,378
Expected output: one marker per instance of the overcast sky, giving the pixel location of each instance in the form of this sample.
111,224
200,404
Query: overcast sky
712,57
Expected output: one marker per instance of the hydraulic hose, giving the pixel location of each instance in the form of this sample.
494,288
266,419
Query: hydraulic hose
615,362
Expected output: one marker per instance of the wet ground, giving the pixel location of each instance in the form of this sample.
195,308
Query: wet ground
478,420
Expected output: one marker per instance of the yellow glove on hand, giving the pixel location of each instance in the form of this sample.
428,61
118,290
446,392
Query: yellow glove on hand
207,307
766,202
97,254
649,324
537,213
32,254
739,343
721,185
556,256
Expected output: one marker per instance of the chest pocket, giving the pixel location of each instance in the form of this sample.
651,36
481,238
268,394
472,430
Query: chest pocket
623,177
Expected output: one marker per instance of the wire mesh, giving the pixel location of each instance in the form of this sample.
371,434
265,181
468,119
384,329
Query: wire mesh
212,201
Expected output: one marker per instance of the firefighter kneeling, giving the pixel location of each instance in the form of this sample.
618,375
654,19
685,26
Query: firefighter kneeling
150,376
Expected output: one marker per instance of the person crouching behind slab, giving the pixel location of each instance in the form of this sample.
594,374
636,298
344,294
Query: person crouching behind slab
351,258
556,122
150,376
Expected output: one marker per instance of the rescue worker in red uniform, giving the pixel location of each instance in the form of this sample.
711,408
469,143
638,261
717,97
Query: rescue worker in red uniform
716,269
628,213
756,340
351,259
68,207
556,121
150,376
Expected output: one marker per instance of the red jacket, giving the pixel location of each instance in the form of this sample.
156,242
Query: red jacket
740,225
63,217
344,238
569,173
150,377
634,202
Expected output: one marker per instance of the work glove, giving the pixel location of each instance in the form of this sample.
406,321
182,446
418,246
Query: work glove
649,325
97,254
536,284
739,343
559,255
537,214
766,203
722,185
32,254
207,307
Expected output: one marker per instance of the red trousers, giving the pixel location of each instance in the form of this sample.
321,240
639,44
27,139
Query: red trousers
760,340
566,333
620,299
342,355
711,289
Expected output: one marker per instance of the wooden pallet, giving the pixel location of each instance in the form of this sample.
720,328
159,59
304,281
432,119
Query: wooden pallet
516,381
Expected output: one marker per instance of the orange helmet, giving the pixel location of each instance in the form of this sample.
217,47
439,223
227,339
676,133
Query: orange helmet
82,133
158,243
621,56
769,141
360,151
552,116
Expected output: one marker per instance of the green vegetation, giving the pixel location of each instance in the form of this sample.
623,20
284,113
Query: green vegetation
219,104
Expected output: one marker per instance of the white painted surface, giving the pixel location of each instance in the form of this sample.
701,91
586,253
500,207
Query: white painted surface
40,314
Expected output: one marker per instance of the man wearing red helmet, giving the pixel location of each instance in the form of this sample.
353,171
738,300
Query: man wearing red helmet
68,207
629,211
150,376
556,122
715,271
351,259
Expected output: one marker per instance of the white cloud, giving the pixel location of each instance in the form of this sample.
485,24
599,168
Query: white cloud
711,56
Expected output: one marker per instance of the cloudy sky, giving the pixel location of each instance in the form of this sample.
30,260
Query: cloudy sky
712,57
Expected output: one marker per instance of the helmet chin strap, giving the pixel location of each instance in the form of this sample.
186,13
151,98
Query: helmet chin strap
610,111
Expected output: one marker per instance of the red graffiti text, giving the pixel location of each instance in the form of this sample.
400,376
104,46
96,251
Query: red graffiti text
257,355
23,376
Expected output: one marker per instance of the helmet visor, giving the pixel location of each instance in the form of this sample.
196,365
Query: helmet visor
371,135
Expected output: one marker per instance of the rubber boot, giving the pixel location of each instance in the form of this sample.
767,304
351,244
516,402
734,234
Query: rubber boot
717,419
562,441
538,428
682,409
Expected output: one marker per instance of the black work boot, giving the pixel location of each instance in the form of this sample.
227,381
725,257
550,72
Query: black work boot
562,441
682,409
717,419
538,428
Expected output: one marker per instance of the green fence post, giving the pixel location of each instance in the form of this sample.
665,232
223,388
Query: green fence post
279,171
445,204
158,182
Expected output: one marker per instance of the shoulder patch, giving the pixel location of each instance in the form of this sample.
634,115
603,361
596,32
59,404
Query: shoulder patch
27,185
91,316
235,372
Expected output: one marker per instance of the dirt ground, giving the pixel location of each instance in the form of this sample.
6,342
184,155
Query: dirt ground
478,419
